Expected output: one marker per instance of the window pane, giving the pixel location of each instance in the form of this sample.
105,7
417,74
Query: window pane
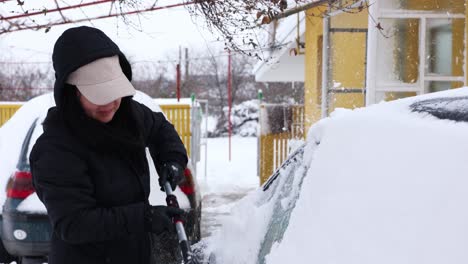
444,47
454,6
398,51
437,86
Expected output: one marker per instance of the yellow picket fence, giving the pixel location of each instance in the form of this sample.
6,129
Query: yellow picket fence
275,146
178,115
7,111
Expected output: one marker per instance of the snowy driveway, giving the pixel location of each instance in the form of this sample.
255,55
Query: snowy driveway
217,206
226,181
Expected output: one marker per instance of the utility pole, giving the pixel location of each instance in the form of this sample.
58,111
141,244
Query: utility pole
186,64
178,82
229,101
179,75
186,85
180,54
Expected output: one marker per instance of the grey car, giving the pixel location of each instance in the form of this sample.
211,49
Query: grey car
25,233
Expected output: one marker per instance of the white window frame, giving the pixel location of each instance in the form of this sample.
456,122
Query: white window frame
376,14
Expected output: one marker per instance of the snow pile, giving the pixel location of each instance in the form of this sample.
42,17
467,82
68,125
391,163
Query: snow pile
32,204
240,239
208,124
383,184
234,244
244,118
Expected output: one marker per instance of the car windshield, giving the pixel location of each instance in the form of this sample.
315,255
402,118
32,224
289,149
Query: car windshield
282,190
451,108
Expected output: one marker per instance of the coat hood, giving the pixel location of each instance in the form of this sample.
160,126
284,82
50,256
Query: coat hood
77,47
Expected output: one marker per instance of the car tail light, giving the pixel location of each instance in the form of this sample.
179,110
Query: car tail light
187,186
21,185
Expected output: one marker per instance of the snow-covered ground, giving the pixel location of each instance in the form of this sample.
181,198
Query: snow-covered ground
223,175
225,182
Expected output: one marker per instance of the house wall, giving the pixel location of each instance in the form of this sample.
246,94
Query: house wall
313,67
348,54
455,6
348,38
347,57
465,41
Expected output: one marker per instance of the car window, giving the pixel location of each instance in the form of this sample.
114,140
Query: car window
282,189
23,159
451,108
35,135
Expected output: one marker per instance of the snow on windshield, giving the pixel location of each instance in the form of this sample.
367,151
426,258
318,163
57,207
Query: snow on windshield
240,239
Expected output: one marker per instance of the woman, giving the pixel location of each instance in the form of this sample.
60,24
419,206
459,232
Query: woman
89,166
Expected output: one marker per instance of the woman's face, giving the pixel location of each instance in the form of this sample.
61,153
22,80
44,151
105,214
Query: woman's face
101,113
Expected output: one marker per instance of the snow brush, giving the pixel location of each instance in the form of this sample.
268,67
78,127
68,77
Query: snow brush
184,244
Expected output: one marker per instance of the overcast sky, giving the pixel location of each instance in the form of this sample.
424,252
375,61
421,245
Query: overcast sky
155,35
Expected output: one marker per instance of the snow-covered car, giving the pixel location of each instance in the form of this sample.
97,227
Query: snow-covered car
382,184
25,228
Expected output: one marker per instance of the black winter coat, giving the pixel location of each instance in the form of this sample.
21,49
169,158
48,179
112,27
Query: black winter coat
96,197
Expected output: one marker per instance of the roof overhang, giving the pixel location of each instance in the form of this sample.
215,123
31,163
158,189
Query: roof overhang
282,65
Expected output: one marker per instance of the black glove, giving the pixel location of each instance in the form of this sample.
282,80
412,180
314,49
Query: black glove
159,218
172,172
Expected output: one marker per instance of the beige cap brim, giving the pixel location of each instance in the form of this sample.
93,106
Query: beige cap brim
106,92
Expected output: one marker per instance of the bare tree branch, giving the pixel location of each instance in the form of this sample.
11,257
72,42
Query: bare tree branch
238,22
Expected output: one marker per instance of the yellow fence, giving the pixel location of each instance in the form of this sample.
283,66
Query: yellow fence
275,147
178,115
7,111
